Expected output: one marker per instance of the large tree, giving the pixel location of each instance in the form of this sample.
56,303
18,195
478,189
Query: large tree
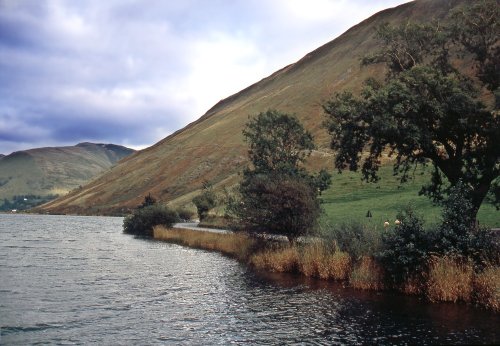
427,110
277,194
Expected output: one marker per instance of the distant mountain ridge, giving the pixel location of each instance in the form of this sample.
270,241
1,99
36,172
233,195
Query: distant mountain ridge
55,170
212,147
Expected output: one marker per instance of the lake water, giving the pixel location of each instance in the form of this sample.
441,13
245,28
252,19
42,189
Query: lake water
80,280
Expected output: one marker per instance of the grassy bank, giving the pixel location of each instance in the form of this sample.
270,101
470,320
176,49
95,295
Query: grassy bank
446,278
349,199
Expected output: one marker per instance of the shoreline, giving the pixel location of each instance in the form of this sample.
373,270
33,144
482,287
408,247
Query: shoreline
446,280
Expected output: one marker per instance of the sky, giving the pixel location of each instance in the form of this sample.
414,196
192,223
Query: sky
131,72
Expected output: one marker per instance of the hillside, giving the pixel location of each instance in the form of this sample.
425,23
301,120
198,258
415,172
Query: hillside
212,147
55,171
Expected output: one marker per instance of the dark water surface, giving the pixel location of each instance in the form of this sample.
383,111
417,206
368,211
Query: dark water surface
79,280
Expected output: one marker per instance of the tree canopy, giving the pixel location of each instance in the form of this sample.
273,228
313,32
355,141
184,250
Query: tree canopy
277,194
426,110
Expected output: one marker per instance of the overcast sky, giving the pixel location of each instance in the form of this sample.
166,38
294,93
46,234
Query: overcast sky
131,72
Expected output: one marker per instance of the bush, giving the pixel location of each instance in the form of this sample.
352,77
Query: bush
405,248
185,214
280,205
205,202
142,221
458,234
356,239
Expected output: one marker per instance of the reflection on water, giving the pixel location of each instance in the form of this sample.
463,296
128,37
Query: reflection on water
80,280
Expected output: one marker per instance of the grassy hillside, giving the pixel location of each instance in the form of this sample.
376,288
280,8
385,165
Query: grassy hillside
212,147
54,171
349,200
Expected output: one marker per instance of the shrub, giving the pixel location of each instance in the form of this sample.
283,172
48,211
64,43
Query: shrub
185,214
356,239
405,248
458,234
279,204
450,279
142,221
205,202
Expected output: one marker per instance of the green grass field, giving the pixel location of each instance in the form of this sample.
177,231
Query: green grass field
349,199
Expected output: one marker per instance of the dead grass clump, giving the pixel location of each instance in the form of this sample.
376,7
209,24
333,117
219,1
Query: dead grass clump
414,284
487,288
283,259
232,244
367,275
449,279
318,260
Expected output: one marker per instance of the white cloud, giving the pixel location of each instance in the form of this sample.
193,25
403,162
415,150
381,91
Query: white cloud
139,70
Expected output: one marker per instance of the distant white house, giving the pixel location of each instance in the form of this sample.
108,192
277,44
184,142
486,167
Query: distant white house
13,211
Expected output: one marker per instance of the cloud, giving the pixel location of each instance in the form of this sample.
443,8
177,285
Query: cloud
132,72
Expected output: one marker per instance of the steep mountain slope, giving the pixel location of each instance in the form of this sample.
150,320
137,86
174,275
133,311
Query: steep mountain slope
212,147
57,170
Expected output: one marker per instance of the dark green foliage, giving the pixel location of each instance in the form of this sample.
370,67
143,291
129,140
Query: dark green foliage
277,194
321,181
356,239
280,205
148,200
277,143
426,110
185,214
405,247
459,235
142,221
206,201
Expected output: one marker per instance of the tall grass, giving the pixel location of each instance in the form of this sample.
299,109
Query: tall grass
445,278
487,288
367,274
449,279
236,245
281,259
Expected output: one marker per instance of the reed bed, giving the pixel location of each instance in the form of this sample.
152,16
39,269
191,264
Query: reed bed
281,259
367,274
487,288
449,279
236,245
446,278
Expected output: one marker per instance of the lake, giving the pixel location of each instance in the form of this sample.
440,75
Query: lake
80,280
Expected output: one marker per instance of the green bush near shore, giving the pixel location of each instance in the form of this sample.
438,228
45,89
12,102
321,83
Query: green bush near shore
142,221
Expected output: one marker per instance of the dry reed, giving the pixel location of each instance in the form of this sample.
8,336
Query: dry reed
487,288
282,259
317,260
449,279
232,244
367,275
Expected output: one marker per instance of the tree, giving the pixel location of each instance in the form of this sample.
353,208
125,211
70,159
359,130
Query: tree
206,201
279,204
277,193
426,111
277,143
148,201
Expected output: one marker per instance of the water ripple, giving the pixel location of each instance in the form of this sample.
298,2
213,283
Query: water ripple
81,280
